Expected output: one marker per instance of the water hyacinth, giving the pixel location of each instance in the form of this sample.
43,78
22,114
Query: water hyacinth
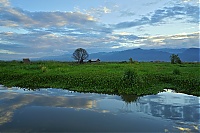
111,78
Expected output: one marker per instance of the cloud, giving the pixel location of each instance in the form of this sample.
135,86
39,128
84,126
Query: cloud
14,17
126,13
2,51
190,1
188,11
100,11
48,33
106,10
183,40
65,23
45,43
36,34
160,15
4,3
18,18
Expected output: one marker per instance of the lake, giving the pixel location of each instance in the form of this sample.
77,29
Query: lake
58,110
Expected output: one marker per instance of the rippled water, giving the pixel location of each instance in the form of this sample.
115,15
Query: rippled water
58,110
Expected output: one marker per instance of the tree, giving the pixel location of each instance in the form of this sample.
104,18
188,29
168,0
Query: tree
131,60
80,54
175,59
172,57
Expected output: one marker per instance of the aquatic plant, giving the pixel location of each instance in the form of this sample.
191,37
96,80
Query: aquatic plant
111,78
130,77
176,72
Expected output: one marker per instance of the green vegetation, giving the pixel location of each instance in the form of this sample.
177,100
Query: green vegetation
176,71
175,59
111,78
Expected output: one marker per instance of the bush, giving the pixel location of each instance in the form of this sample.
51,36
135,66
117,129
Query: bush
130,60
44,69
130,77
175,59
176,72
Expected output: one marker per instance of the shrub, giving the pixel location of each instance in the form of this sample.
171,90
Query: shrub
131,60
176,72
130,77
44,69
175,59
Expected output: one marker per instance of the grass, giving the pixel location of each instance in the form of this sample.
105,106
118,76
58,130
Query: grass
110,78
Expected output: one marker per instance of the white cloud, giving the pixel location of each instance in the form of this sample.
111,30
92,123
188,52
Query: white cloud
190,1
3,51
179,40
106,10
4,3
100,11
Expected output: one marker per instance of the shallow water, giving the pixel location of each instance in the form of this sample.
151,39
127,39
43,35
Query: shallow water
59,110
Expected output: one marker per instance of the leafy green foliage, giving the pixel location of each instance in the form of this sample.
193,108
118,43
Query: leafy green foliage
131,60
130,78
111,78
176,72
175,59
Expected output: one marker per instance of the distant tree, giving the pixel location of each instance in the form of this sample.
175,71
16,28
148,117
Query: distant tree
80,54
178,60
172,58
131,60
175,59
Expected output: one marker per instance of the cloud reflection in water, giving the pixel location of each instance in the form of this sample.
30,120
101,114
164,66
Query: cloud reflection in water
182,110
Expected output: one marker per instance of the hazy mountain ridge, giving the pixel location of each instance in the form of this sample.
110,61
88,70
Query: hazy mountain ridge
192,54
186,55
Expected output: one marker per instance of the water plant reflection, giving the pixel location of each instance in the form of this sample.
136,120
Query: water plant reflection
129,98
179,109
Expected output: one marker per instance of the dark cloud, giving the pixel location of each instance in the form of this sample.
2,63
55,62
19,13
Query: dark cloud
159,15
187,10
142,21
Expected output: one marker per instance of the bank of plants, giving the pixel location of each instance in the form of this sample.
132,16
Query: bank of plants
110,78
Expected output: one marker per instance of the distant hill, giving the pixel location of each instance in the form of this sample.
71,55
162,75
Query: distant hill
186,55
66,57
135,54
172,51
192,54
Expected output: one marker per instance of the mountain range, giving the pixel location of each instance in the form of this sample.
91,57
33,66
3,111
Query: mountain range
185,54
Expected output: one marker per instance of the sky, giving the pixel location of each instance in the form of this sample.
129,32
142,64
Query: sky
34,29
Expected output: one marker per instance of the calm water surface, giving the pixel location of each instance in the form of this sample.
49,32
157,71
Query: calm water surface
58,110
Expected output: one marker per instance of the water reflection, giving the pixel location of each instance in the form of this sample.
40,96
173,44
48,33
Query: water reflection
9,102
163,112
171,106
183,109
129,98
